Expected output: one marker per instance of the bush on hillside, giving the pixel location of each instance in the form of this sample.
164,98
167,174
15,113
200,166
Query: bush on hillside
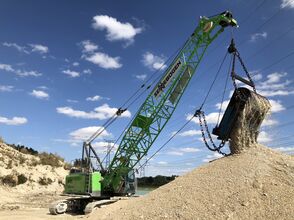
24,149
10,180
21,179
45,181
9,165
53,160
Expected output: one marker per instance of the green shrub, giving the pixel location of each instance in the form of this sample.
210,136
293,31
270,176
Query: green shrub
21,159
10,180
9,165
23,149
34,162
45,181
53,160
21,179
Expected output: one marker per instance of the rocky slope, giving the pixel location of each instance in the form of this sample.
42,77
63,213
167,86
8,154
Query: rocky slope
23,177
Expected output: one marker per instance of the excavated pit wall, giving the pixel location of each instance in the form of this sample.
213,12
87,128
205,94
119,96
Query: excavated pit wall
246,129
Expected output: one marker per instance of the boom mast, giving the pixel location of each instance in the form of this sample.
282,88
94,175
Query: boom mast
160,104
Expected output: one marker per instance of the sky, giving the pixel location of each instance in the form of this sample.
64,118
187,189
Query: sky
66,66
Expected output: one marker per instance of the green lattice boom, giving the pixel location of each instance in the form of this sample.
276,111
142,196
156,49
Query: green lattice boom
162,101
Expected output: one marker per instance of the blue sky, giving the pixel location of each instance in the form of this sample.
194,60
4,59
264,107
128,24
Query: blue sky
67,65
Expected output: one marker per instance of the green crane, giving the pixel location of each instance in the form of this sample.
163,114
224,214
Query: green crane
92,186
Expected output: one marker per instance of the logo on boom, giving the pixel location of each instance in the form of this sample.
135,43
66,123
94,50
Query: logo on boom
167,78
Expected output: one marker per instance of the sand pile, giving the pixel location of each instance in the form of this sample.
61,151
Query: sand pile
257,184
253,183
23,178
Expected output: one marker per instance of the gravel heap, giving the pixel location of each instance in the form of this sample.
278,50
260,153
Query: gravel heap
253,183
256,184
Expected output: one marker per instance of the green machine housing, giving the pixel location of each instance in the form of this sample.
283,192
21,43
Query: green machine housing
83,183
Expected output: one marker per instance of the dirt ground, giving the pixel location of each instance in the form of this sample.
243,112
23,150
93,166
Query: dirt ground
28,205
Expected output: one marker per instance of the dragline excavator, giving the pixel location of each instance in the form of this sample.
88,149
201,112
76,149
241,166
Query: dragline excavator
87,187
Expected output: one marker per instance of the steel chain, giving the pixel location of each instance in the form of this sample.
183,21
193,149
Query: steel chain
201,115
245,70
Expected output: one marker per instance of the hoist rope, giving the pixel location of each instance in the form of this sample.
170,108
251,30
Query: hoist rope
215,77
224,92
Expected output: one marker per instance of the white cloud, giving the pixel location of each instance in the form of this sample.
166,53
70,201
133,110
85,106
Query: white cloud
21,73
182,150
70,73
75,64
211,118
285,149
39,48
256,36
287,4
101,112
141,77
87,71
13,121
269,93
275,77
72,101
175,153
162,162
224,105
16,46
6,88
264,137
256,76
115,29
189,133
269,122
274,86
88,46
34,48
211,157
101,146
153,62
94,98
43,87
6,67
83,134
189,149
276,106
104,60
39,94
